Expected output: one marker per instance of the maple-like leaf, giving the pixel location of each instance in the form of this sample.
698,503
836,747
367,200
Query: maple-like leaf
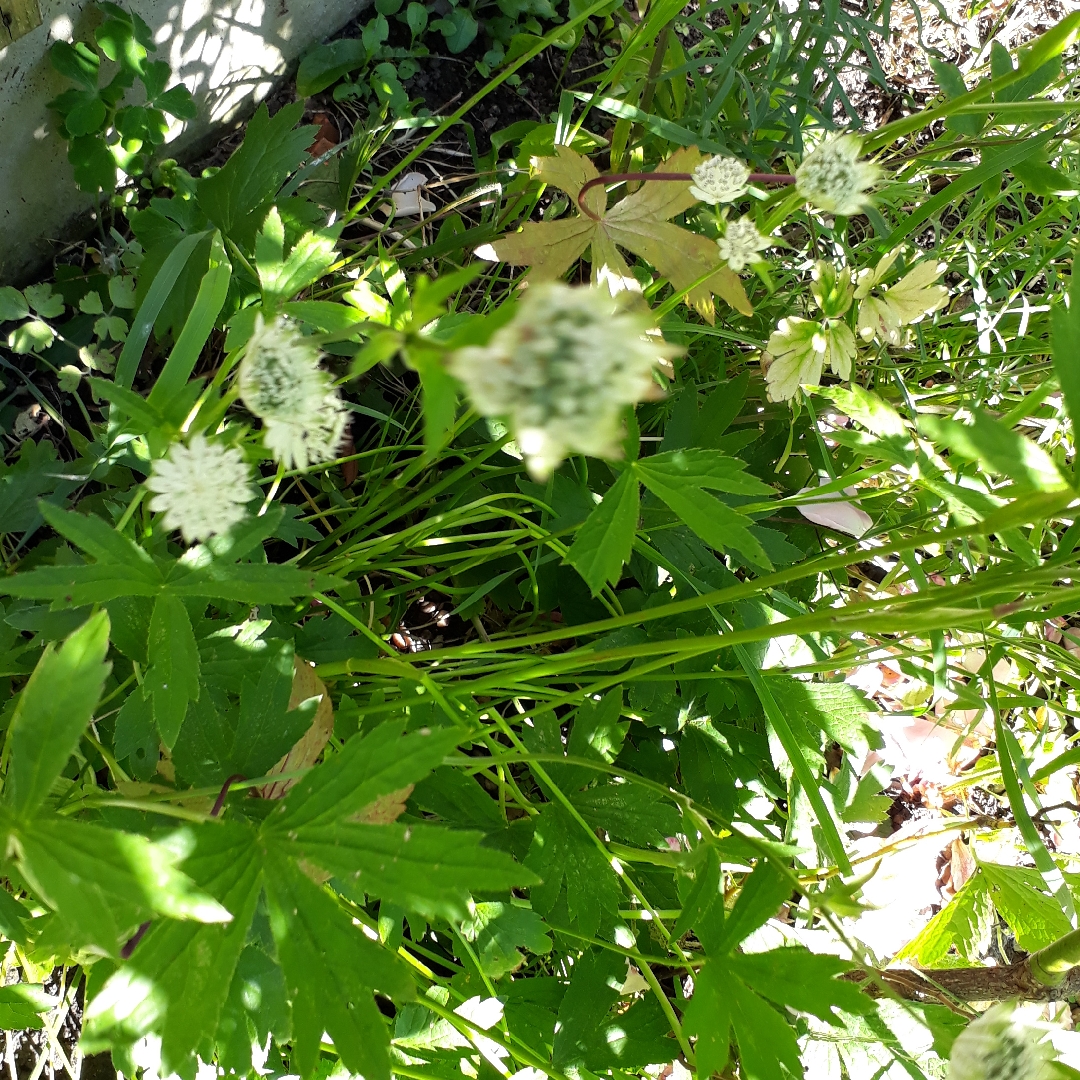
639,223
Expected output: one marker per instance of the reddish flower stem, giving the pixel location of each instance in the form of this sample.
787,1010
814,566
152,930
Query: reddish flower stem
129,945
613,178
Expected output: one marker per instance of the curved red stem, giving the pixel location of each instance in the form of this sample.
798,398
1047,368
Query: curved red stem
236,778
129,945
614,178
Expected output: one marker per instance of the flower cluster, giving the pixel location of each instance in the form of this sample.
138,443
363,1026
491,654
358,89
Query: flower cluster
832,177
720,180
202,488
562,371
281,382
800,349
1002,1045
911,299
741,244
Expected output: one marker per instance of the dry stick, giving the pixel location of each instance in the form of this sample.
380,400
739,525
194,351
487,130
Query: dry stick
614,178
129,945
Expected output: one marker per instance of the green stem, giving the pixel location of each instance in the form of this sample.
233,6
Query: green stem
1050,965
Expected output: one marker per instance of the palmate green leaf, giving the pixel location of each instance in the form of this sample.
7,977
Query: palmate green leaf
173,676
102,882
965,923
629,812
233,197
594,987
837,709
703,903
330,970
97,538
12,916
729,995
78,586
1035,918
766,1039
759,899
604,542
22,1004
52,713
424,868
633,1039
723,1005
177,982
803,980
684,491
598,733
178,977
257,1006
249,583
249,740
498,933
368,767
310,259
708,1016
704,469
561,852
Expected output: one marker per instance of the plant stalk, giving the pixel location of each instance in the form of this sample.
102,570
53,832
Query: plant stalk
615,178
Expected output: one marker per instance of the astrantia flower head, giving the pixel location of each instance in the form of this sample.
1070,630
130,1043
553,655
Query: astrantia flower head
202,488
832,177
1002,1045
798,351
560,373
281,382
741,244
910,300
720,179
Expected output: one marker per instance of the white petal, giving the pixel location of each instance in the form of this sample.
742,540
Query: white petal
842,516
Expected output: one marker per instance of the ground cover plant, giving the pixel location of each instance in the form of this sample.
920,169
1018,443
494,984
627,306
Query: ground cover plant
500,632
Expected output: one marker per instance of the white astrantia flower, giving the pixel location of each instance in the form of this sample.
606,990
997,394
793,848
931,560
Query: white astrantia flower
1003,1044
832,178
281,382
799,350
910,300
203,488
720,179
741,244
560,373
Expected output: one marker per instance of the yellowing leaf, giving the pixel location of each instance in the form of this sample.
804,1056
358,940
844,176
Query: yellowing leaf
638,223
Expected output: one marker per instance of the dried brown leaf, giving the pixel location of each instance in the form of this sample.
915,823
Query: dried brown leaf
385,810
306,684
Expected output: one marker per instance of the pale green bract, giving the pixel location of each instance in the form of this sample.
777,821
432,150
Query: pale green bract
799,350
